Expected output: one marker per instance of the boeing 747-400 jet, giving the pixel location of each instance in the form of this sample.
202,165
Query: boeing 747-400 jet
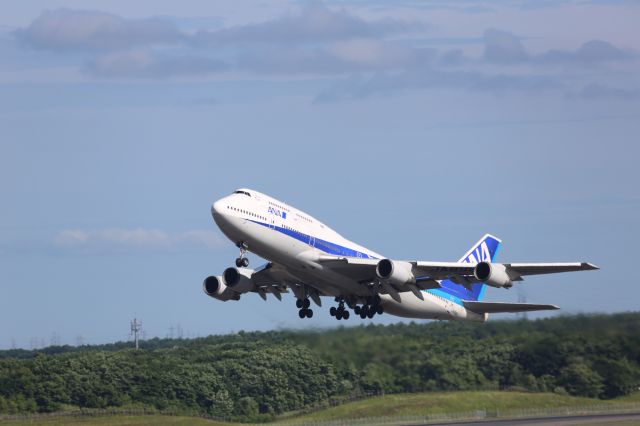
312,260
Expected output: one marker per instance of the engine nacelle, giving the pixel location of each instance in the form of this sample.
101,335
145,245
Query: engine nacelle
214,286
238,279
395,272
493,274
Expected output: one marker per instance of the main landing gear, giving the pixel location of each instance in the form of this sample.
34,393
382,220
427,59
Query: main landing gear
303,305
369,309
242,262
340,312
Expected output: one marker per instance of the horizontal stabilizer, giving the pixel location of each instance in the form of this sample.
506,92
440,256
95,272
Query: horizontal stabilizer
499,307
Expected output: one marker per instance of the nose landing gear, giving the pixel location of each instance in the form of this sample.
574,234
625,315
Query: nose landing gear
242,262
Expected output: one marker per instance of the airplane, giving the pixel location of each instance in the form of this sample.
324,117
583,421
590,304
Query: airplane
312,260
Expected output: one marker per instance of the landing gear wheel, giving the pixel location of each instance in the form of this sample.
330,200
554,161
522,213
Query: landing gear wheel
379,310
363,314
309,313
357,310
306,303
302,313
299,303
242,261
370,314
340,312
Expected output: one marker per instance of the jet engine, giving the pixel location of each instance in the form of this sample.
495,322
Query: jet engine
214,286
493,274
395,272
238,280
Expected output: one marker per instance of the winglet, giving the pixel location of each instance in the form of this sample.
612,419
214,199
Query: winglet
586,266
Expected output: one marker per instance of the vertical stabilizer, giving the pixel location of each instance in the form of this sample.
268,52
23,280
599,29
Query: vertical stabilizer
484,250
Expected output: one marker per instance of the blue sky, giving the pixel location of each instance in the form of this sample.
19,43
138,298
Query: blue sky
411,128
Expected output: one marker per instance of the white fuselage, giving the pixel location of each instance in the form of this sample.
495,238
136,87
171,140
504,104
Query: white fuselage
289,237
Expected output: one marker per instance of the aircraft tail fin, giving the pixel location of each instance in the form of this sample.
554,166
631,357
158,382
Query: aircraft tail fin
485,250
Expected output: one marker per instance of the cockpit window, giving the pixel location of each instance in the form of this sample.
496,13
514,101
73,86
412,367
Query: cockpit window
242,192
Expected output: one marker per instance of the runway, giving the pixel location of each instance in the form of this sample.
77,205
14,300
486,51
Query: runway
626,419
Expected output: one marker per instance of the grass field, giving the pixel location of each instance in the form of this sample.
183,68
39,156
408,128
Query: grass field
634,397
445,402
384,406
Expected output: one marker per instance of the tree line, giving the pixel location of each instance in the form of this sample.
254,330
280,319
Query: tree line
257,375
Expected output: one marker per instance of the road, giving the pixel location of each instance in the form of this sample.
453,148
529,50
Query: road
627,419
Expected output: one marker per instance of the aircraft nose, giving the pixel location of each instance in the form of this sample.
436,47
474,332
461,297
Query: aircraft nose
217,208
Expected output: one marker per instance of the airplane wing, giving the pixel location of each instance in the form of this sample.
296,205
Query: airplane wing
427,273
498,307
270,278
360,269
515,271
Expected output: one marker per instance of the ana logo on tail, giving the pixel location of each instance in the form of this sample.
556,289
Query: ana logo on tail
480,254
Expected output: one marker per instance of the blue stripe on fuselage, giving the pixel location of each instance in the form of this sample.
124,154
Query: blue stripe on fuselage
319,243
456,293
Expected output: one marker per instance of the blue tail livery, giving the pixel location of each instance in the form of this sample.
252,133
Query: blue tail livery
484,250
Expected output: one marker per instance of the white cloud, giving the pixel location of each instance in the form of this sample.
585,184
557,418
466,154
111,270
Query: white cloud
134,237
201,237
504,47
372,52
314,23
594,51
138,238
65,29
144,63
365,55
501,46
116,47
71,238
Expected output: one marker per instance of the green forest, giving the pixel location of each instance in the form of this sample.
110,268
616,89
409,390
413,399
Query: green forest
255,376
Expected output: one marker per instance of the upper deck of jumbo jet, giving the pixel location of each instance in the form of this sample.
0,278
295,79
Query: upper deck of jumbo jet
250,201
270,201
